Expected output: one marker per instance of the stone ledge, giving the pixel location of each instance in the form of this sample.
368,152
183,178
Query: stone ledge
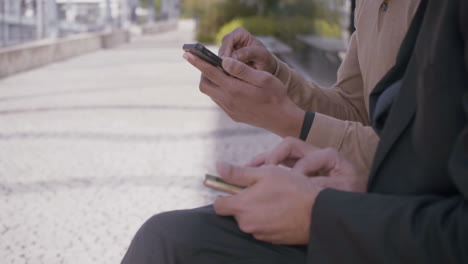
31,55
115,38
158,27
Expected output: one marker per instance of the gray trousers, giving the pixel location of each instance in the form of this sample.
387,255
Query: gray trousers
199,236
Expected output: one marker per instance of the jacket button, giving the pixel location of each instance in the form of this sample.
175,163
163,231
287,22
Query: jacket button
384,7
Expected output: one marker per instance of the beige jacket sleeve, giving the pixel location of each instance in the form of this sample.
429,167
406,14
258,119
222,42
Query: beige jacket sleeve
344,101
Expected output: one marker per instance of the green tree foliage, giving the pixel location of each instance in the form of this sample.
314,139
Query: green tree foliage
286,29
156,4
280,18
264,7
211,15
194,8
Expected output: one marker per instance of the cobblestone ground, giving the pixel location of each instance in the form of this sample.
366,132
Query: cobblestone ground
93,146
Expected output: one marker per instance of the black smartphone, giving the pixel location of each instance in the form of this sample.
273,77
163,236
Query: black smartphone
204,53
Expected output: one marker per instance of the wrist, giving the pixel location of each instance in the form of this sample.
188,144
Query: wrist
314,191
291,117
310,197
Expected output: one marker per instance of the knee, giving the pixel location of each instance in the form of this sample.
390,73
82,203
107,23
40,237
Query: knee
159,227
175,227
178,235
155,241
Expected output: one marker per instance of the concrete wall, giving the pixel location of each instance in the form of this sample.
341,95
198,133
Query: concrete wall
160,26
115,38
35,54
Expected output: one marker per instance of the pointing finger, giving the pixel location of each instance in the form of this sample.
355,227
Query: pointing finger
238,37
317,162
258,160
242,176
289,149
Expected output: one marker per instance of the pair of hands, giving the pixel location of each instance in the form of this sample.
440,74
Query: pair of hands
277,205
251,95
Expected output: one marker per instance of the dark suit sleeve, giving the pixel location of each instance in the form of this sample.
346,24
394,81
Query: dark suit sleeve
373,228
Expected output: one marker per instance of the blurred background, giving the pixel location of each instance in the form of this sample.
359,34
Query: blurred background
102,124
310,35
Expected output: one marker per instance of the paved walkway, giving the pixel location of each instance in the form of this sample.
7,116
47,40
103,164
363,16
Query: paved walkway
93,146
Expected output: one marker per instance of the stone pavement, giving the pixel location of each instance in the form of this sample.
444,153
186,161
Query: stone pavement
92,147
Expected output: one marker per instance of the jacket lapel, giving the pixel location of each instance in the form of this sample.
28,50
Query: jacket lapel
403,109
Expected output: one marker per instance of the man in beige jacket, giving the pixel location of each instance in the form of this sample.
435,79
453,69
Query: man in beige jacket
341,112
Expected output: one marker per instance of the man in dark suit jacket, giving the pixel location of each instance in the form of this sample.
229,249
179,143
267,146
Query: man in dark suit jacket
413,209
